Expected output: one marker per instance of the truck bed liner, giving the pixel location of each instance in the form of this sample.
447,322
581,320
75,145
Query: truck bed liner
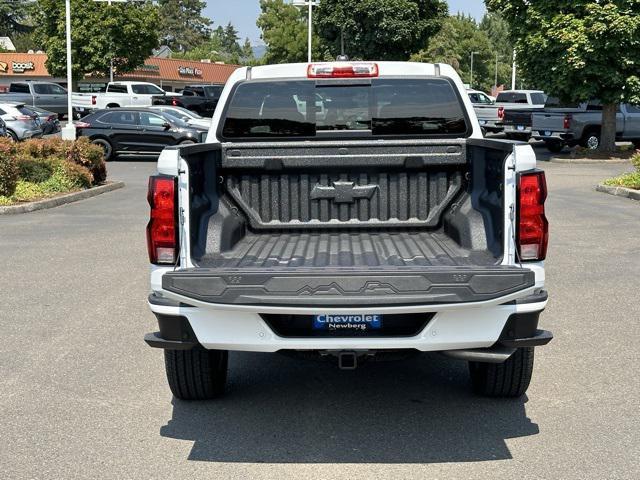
355,249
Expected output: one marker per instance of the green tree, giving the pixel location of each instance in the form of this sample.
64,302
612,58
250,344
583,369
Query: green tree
379,29
497,30
579,50
182,25
126,32
246,53
15,17
284,31
454,43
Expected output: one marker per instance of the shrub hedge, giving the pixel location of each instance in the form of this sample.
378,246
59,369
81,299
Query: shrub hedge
42,167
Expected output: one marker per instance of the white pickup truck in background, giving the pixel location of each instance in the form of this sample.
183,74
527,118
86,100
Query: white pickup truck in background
346,211
117,94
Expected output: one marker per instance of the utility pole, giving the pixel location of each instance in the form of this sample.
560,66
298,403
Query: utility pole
471,80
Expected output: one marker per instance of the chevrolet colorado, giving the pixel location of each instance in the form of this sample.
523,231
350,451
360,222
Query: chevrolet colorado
378,223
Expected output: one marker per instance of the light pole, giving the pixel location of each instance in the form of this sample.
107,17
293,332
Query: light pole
471,80
495,82
110,2
69,130
310,4
513,72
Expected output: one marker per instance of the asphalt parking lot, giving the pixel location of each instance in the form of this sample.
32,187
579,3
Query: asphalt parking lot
82,396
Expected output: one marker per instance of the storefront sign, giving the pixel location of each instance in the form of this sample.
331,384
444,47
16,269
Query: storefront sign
4,67
149,68
192,72
21,67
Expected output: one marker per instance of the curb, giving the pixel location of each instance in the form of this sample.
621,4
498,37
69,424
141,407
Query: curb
590,161
61,200
619,191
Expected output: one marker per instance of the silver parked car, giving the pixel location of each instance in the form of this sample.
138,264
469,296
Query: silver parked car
3,128
192,118
21,122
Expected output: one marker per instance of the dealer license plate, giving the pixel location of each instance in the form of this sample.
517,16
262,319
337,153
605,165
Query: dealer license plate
520,128
335,322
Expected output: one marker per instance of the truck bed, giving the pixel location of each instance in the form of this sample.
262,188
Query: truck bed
339,224
353,249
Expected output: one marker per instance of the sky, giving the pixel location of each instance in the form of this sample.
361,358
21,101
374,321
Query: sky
243,14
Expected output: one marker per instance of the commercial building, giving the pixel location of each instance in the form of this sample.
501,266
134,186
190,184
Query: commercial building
169,74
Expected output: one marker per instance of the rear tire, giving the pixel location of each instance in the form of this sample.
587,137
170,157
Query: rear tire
508,379
591,139
106,146
636,144
554,146
12,136
196,374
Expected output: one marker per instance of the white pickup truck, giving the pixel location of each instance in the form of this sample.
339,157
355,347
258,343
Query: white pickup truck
381,224
117,94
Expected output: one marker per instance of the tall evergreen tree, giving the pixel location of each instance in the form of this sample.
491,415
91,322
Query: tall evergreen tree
182,25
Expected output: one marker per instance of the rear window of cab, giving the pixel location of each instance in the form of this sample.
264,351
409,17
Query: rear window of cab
423,107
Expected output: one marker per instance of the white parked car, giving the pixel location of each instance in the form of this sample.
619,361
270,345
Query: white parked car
380,224
192,118
117,94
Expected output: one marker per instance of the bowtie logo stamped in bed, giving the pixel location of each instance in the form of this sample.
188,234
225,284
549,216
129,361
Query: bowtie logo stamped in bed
343,192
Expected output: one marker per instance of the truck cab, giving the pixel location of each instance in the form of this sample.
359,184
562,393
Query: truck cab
46,95
378,222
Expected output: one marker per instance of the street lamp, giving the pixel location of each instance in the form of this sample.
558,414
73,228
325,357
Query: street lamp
471,80
310,4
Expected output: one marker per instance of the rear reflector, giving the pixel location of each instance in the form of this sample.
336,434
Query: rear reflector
162,230
342,70
533,227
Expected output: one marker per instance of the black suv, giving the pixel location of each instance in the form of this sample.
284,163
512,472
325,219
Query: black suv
136,131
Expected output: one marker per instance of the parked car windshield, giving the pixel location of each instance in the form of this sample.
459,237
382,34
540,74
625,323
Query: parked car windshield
480,98
538,98
555,102
511,97
175,120
144,89
423,107
48,89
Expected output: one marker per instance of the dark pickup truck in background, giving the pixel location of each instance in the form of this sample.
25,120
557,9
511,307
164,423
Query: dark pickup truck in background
560,125
201,99
514,110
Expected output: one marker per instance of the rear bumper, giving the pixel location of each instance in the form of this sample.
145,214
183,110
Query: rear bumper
556,136
514,129
348,288
509,325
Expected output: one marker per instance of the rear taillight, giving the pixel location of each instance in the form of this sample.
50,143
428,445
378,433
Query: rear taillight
566,124
342,70
23,117
82,125
94,100
533,227
162,230
501,113
174,102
